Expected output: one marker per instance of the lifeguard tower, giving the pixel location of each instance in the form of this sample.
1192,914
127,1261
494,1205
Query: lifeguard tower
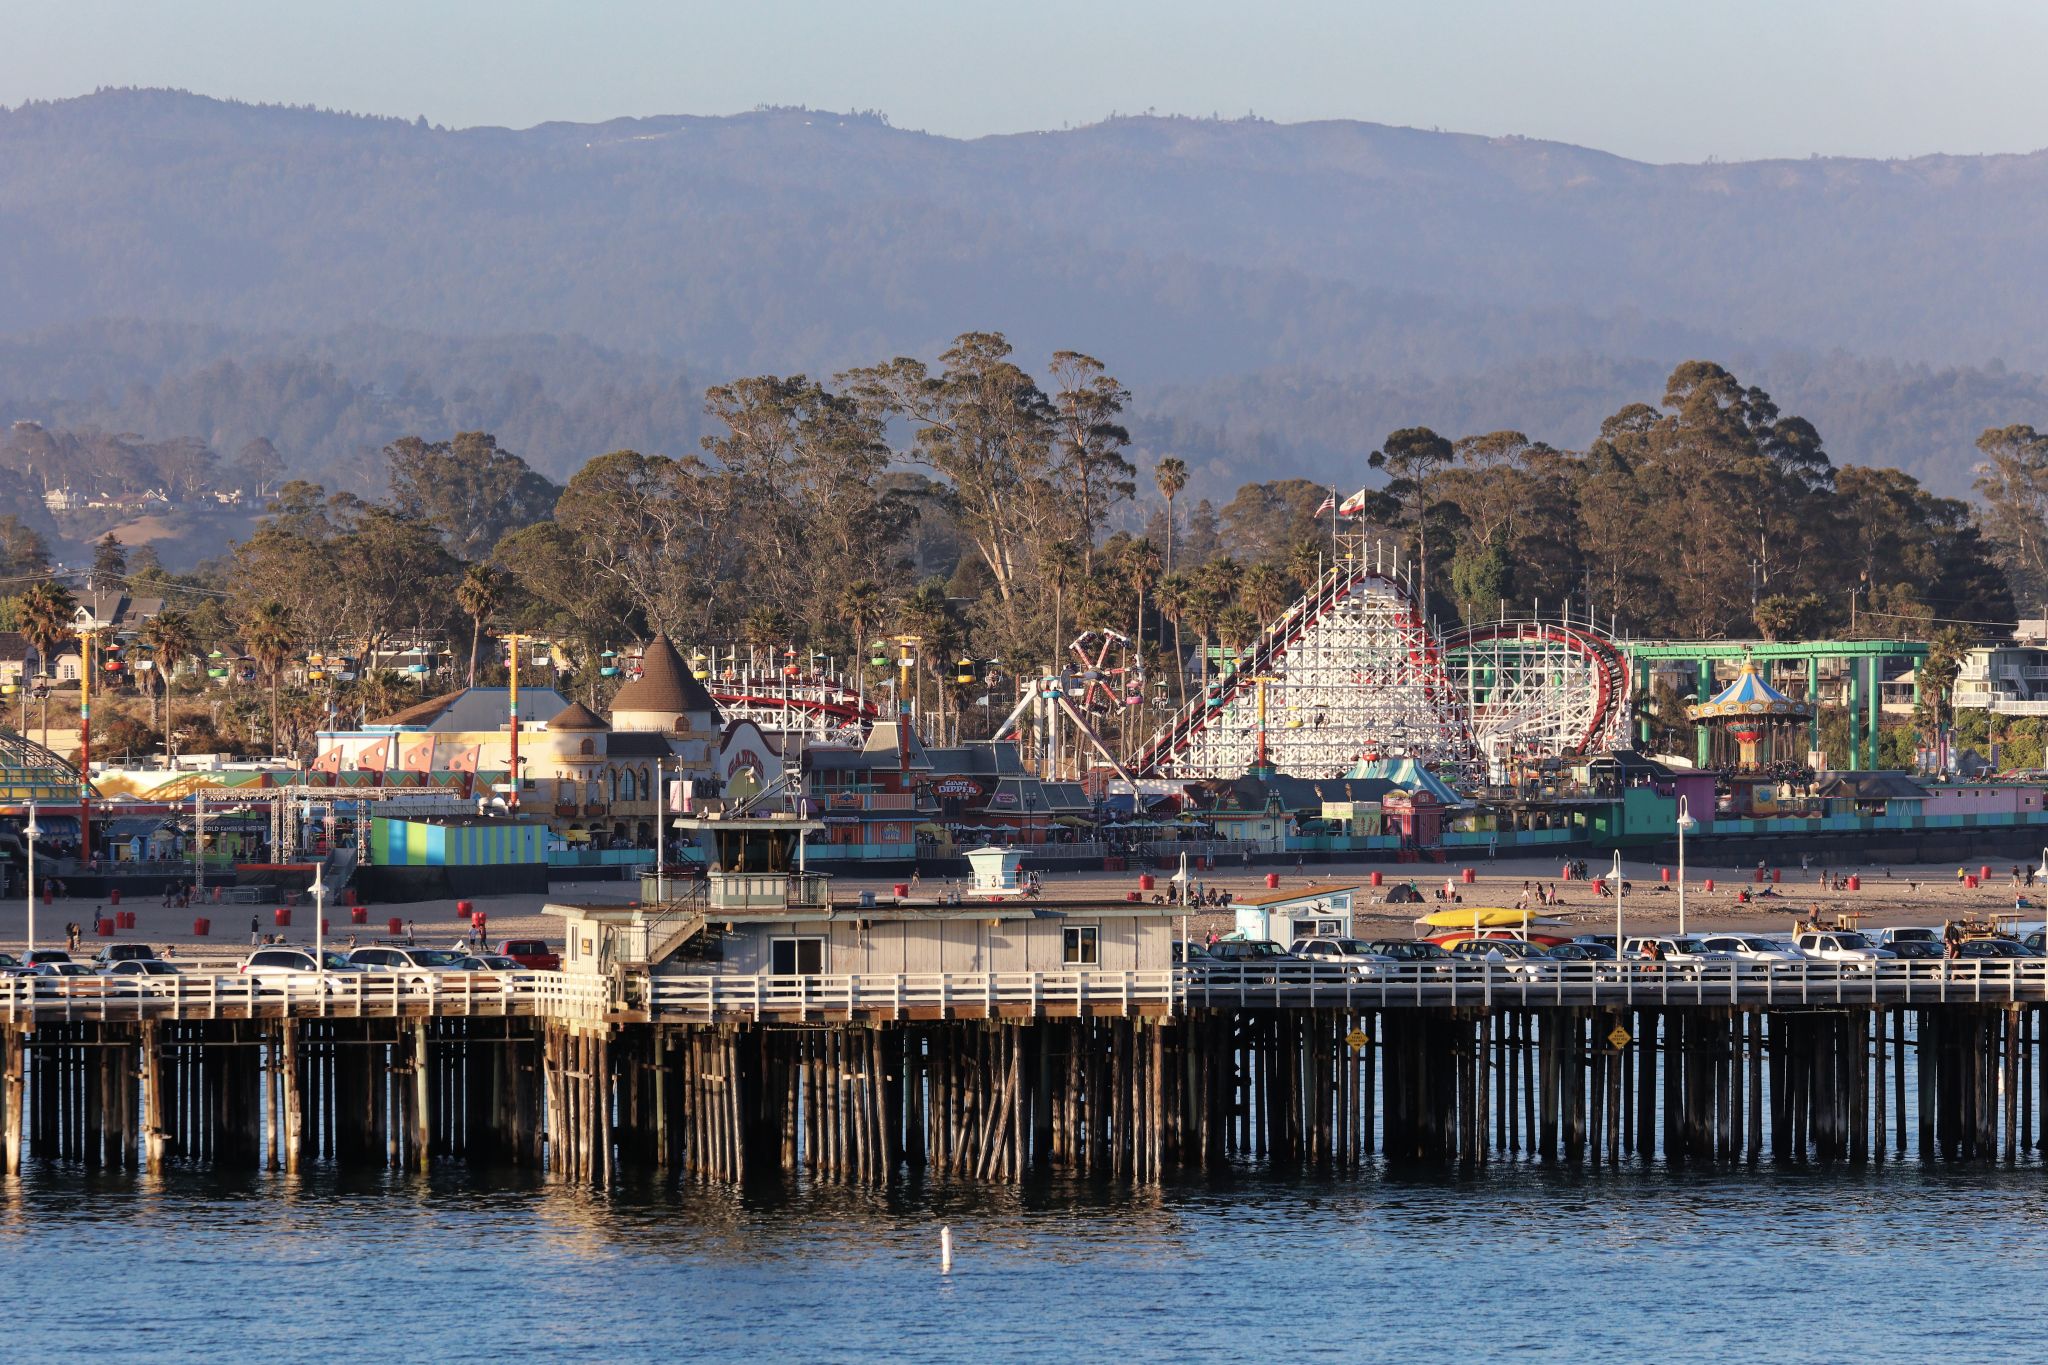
995,873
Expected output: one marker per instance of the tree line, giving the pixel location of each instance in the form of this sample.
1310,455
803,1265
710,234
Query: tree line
993,513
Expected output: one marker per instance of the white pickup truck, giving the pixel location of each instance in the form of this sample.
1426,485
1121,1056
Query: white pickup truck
1842,946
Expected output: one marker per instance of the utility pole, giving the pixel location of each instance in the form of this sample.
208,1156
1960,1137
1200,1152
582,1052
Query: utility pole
512,800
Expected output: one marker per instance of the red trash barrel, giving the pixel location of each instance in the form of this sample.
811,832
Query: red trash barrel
1145,882
1664,874
348,897
1131,896
326,925
1855,882
1971,881
1567,873
114,895
106,928
358,914
1471,876
1378,877
1272,881
1709,884
901,889
462,908
1984,873
282,916
201,928
1777,875
1758,875
125,920
395,925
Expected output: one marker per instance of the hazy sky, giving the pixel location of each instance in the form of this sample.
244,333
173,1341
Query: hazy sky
1647,78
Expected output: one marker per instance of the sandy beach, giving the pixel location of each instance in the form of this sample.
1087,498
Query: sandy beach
1888,894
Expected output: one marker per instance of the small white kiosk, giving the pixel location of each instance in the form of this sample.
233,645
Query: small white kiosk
1319,910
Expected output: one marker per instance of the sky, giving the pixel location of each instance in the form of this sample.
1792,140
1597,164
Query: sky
1652,79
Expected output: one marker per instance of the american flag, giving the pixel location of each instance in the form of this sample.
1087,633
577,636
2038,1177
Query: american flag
1329,504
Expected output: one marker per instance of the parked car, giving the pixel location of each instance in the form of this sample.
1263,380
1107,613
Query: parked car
36,957
2035,940
417,965
1756,949
1843,947
1983,949
1907,933
1248,950
286,962
1517,957
66,968
10,965
1185,953
1348,952
1600,959
124,952
150,975
490,962
1413,954
532,954
1687,953
1918,950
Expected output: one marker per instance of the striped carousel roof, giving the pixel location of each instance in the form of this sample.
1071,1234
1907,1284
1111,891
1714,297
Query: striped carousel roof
1749,695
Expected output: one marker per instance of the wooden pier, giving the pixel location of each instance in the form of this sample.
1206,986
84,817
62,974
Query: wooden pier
1123,1075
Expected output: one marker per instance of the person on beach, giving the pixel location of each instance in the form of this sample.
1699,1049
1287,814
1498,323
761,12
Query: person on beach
255,928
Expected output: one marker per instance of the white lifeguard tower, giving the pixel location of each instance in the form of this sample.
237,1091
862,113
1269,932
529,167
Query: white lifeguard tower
995,872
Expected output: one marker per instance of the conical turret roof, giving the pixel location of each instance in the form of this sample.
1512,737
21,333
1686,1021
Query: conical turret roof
577,716
664,686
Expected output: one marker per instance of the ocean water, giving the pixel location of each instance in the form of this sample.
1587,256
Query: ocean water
1903,1262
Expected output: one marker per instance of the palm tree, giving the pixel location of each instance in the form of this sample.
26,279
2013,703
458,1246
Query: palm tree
1062,563
1140,563
478,595
861,605
45,618
1171,474
169,636
1176,601
271,638
1265,591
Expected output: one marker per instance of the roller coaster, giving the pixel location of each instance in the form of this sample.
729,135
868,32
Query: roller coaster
1352,672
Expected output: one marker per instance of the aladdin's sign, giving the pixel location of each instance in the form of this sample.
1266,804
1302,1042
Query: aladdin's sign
960,788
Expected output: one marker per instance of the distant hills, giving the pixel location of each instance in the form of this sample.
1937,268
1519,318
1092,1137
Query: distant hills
1279,296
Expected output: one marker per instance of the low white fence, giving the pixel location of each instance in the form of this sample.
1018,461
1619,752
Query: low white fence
1081,990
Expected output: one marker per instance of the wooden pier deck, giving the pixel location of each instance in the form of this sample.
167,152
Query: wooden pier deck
1129,1075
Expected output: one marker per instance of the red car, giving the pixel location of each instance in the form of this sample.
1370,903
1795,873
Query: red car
531,953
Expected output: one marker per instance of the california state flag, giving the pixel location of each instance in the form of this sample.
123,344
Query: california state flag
1353,505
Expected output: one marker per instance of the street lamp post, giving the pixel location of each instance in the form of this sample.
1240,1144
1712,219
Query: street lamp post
320,929
1618,940
1685,822
32,832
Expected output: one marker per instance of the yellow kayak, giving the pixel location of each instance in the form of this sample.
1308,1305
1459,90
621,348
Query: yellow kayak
1489,917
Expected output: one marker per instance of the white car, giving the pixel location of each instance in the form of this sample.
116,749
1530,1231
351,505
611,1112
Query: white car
1908,933
417,965
1688,951
290,962
1844,947
146,975
1346,952
1756,949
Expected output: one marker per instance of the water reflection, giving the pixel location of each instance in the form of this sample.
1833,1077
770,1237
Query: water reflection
1768,1264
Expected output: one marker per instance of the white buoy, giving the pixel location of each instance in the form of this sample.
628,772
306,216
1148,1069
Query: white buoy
945,1251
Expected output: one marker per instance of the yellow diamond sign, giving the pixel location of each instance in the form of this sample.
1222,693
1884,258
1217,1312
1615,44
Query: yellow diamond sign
1357,1039
1619,1037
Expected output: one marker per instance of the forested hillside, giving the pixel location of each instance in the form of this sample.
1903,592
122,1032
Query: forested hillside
1277,297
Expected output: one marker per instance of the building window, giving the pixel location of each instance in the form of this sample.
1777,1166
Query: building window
1083,949
626,785
589,747
796,956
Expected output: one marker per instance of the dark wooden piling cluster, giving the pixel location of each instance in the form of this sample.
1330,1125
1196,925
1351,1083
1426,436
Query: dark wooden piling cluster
1136,1098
